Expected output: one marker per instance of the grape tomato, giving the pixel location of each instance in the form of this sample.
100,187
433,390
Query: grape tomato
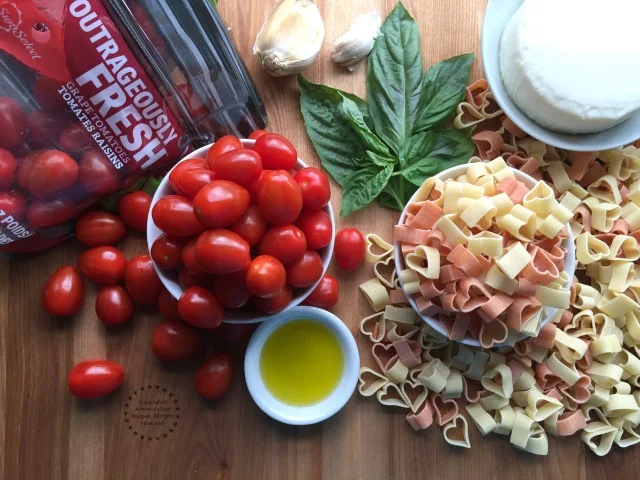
287,243
241,166
279,198
134,209
174,215
349,248
314,184
276,152
317,228
95,229
220,203
221,146
266,276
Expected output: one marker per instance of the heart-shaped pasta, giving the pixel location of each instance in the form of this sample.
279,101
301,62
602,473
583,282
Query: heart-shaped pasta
445,409
374,327
385,271
383,248
492,333
466,116
498,380
425,261
391,396
606,189
384,355
471,389
415,393
370,381
400,331
456,432
490,109
599,437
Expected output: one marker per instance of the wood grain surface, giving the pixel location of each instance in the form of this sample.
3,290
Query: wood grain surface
45,433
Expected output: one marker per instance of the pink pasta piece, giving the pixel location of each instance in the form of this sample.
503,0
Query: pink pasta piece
475,325
408,218
525,288
472,294
403,233
565,319
553,393
466,261
409,352
427,307
620,227
582,215
398,297
606,237
635,234
541,269
595,172
407,248
431,288
570,423
521,311
580,163
444,408
445,248
514,189
493,333
456,326
495,307
624,191
450,273
474,93
472,389
488,143
428,214
516,368
448,300
451,287
511,127
423,418
546,336
413,208
585,362
576,394
545,377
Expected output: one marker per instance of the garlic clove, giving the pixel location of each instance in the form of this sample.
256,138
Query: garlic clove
356,43
291,38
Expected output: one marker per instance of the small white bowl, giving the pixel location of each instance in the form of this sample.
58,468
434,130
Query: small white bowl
306,415
170,279
496,17
569,259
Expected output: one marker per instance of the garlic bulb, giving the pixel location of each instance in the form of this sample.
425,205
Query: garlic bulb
356,43
291,38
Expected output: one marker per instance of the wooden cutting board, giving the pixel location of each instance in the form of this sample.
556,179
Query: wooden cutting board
45,433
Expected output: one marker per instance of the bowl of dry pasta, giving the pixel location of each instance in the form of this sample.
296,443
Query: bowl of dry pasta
484,253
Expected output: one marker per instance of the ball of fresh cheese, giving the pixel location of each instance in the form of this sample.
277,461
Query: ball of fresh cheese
573,66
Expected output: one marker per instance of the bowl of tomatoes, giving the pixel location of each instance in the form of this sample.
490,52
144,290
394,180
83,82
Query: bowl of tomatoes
241,230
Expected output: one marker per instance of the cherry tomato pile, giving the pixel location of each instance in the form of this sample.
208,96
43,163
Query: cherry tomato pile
242,228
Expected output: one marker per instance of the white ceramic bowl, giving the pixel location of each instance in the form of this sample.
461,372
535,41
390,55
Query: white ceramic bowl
306,415
170,278
497,15
569,260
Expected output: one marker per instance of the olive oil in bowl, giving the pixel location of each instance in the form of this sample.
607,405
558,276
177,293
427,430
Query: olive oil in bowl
302,362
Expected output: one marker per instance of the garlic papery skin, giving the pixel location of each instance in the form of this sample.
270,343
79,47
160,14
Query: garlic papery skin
291,38
356,43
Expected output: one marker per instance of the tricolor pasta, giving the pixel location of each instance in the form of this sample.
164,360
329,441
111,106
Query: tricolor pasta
500,262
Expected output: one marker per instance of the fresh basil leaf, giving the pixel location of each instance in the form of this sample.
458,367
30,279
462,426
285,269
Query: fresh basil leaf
443,88
363,187
426,145
397,193
394,78
375,159
333,138
355,118
464,148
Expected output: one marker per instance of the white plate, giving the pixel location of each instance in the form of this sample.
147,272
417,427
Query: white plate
496,17
170,278
322,410
569,259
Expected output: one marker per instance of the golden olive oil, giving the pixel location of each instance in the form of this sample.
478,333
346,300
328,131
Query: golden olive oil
301,362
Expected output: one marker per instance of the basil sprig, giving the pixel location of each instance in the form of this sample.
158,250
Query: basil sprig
387,146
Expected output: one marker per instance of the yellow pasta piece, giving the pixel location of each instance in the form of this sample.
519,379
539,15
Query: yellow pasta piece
519,222
571,349
540,199
604,215
499,381
502,174
502,202
623,426
397,373
524,382
428,255
587,297
399,400
555,221
486,243
480,211
589,249
373,239
497,164
616,304
606,344
569,200
599,396
634,192
540,406
376,294
504,418
601,431
521,429
427,186
621,388
553,295
530,328
578,191
629,363
453,191
477,365
455,435
498,280
606,189
481,418
434,376
514,261
567,373
487,182
624,247
453,387
604,375
622,274
370,389
492,402
405,315
475,171
462,358
451,230
495,359
559,177
631,213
